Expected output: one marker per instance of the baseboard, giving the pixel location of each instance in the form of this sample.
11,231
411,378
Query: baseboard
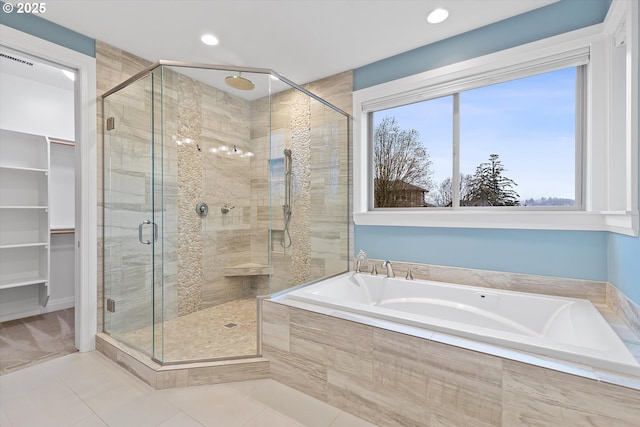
181,375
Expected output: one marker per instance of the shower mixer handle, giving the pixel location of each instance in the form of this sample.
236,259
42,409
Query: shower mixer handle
202,209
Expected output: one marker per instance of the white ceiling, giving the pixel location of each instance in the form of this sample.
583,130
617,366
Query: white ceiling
31,68
303,40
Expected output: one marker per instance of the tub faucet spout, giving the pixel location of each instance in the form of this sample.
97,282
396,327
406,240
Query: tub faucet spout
387,264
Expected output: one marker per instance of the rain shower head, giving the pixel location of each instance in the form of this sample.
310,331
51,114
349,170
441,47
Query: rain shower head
239,82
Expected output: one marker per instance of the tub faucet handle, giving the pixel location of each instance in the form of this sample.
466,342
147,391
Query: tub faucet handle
361,258
409,275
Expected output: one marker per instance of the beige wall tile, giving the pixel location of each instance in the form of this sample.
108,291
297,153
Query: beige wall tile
297,372
565,398
223,373
394,379
628,311
275,325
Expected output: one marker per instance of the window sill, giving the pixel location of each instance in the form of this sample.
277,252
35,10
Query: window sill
617,222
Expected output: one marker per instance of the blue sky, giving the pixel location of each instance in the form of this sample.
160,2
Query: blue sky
529,122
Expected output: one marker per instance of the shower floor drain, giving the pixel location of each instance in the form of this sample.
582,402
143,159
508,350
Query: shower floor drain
230,325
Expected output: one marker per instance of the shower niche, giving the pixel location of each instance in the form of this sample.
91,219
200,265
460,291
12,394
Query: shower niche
266,157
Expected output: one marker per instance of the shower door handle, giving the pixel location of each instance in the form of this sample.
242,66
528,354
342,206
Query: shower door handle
155,232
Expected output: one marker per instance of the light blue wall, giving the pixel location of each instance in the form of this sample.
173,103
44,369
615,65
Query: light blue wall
575,254
557,18
565,254
54,33
624,265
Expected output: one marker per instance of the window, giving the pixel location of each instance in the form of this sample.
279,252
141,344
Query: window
514,143
576,156
412,152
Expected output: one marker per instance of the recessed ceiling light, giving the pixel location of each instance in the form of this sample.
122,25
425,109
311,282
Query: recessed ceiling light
438,15
209,39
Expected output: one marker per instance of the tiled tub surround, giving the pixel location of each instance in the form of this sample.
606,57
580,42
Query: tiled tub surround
565,328
406,376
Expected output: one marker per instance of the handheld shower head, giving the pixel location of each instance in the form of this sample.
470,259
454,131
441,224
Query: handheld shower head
285,241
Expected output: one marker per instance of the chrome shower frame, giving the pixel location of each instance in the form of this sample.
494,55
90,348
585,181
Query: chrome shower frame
288,163
204,66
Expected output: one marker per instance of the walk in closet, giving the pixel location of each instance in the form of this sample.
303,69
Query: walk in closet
37,187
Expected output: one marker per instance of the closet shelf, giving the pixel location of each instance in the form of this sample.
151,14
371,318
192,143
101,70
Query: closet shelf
25,245
23,282
22,169
24,207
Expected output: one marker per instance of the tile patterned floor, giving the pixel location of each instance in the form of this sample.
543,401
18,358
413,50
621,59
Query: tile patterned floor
224,330
87,390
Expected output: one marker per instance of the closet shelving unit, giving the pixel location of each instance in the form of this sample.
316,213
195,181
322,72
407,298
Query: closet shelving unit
24,212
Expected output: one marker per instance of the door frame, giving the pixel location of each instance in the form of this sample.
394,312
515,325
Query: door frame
86,232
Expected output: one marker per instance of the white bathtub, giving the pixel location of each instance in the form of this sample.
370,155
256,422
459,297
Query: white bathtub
563,328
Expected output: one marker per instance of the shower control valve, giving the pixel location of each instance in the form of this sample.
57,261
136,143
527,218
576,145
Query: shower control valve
202,208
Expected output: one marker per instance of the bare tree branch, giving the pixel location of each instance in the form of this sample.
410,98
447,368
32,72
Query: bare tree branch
402,168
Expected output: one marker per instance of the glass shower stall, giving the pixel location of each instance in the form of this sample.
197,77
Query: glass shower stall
221,184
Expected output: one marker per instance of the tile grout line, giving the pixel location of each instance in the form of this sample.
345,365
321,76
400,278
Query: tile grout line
66,384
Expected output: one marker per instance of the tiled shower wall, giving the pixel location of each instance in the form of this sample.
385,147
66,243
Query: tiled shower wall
208,118
320,142
199,120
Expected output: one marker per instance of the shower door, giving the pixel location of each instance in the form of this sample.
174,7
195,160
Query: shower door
132,218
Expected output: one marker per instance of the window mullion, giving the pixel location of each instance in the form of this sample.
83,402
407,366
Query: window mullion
581,103
455,179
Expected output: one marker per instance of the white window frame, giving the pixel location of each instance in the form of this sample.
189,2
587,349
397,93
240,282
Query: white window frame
609,198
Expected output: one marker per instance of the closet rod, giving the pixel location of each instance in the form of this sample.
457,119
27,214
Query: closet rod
60,142
65,231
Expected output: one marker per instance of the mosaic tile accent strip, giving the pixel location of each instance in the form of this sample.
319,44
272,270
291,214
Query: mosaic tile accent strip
190,276
301,160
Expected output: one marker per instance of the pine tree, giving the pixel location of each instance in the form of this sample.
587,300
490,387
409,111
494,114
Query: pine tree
489,187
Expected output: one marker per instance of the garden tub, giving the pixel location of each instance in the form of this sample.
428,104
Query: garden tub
570,329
